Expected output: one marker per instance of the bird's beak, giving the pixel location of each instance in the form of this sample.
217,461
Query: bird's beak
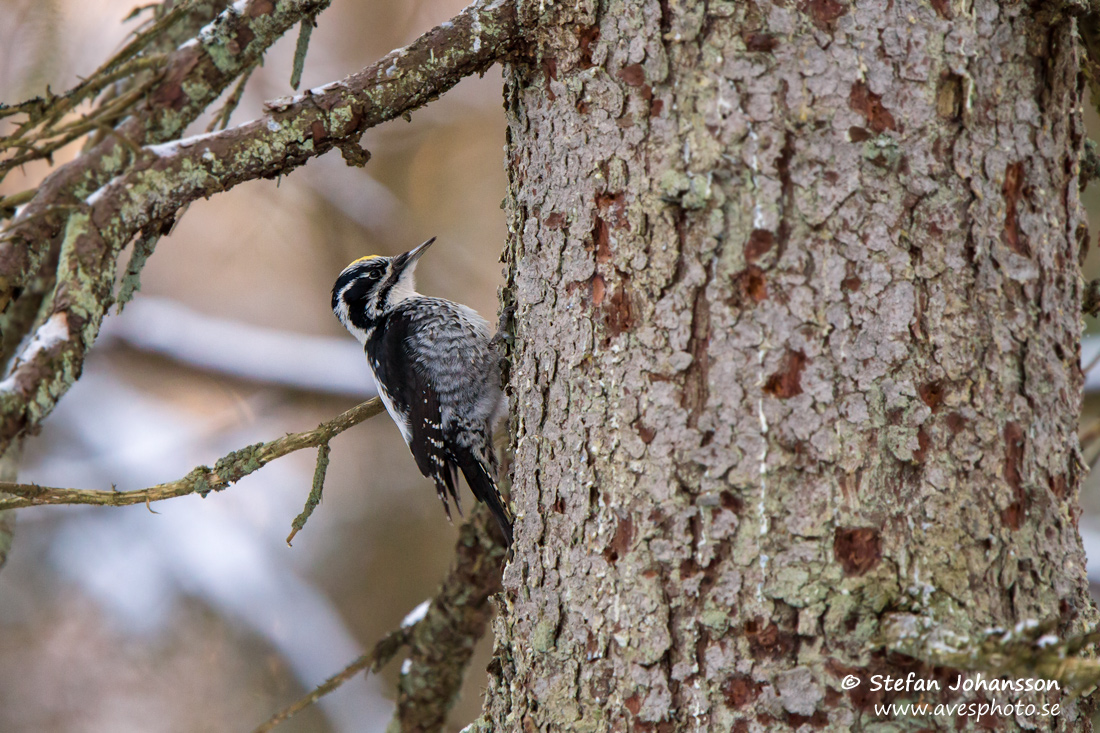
414,254
407,261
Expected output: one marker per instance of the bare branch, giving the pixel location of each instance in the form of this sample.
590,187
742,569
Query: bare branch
51,140
221,118
443,642
9,469
227,470
440,642
46,113
172,175
373,661
16,199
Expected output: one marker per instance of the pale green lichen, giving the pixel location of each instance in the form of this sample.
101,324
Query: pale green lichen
198,478
238,464
131,281
196,90
542,640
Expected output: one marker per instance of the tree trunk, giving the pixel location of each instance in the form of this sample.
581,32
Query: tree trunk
798,302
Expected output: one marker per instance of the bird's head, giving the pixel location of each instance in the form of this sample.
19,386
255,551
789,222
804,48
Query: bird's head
371,286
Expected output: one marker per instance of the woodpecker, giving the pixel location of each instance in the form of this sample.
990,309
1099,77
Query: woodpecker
437,371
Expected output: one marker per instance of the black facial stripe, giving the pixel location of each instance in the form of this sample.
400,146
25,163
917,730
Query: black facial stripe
361,278
341,282
391,280
360,318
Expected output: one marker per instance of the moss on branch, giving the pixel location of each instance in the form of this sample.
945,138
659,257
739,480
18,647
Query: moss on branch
168,177
201,480
194,75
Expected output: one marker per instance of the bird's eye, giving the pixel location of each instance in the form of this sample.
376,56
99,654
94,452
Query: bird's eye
355,284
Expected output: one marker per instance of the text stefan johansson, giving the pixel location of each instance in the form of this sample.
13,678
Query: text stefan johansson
912,683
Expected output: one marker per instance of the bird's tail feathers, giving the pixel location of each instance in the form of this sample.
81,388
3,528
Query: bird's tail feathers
446,485
484,488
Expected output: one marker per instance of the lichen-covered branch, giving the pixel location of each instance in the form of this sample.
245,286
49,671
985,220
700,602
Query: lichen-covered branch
440,635
314,497
100,160
202,480
195,74
1030,650
441,644
169,176
300,51
206,50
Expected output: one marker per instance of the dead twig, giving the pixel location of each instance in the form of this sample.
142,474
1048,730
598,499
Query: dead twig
201,480
440,634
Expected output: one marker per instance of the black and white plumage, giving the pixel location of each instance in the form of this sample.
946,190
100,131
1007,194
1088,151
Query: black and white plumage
437,371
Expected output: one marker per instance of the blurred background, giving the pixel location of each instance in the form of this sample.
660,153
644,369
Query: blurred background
196,616
199,617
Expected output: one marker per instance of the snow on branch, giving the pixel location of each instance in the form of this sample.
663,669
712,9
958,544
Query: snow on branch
189,78
440,634
1030,650
166,177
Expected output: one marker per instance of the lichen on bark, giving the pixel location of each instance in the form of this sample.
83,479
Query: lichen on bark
797,301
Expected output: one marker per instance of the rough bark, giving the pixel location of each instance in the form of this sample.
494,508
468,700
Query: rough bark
798,300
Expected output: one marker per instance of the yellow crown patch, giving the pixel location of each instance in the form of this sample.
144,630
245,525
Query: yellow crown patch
364,259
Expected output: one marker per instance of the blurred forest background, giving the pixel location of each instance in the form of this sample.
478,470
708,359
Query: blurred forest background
198,617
